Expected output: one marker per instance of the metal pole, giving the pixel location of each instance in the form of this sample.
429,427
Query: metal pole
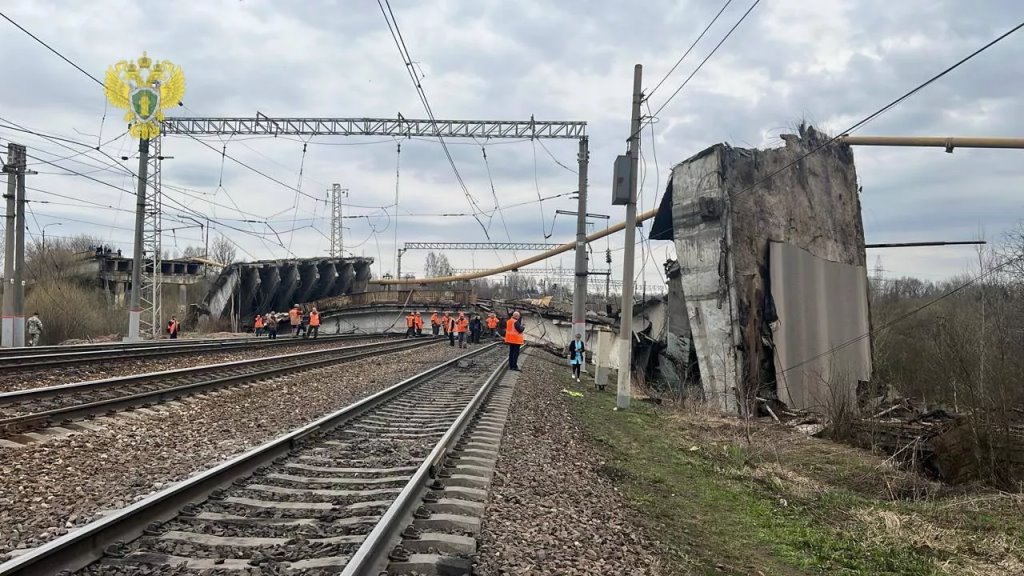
947,142
135,308
206,239
579,297
608,278
626,314
7,336
19,255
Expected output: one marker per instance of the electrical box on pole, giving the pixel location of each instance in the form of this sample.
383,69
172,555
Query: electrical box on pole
621,180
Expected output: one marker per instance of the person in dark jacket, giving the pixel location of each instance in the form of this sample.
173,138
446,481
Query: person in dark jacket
576,356
476,326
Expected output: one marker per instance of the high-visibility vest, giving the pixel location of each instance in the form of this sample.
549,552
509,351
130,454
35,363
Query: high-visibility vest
419,321
314,318
294,316
492,322
461,325
410,321
434,320
451,324
512,336
258,322
446,322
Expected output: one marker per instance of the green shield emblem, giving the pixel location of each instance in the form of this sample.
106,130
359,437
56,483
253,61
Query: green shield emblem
145,102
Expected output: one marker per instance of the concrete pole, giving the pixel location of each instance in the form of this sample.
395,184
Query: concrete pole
135,308
579,297
626,314
7,336
19,255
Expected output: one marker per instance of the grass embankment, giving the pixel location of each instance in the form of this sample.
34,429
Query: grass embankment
784,503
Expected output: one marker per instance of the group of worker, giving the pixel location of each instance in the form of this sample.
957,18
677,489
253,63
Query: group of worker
457,327
304,324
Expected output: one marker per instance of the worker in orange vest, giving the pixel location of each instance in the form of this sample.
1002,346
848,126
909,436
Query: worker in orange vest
514,338
461,327
492,324
449,329
314,323
445,323
257,325
419,324
410,325
173,327
435,324
295,319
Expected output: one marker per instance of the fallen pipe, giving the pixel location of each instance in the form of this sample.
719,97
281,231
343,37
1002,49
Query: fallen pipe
516,265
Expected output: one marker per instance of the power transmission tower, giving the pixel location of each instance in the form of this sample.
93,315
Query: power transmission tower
151,294
337,231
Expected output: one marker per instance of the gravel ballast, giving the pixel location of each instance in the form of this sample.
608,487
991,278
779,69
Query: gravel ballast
22,379
549,510
48,488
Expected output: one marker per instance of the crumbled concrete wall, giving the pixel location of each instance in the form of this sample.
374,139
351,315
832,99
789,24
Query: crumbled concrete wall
725,210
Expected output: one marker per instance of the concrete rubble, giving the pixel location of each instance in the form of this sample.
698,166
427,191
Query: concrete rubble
771,268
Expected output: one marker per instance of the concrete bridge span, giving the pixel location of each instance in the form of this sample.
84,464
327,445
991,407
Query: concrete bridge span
249,288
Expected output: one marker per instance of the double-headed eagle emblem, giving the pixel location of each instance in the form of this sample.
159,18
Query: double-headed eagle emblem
145,89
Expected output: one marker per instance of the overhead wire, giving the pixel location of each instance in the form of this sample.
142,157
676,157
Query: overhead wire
403,51
690,49
705,60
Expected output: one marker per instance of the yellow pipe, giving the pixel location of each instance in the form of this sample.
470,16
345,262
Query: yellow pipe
516,265
949,143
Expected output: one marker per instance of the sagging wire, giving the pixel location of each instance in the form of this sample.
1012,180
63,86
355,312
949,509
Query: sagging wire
536,185
497,205
298,188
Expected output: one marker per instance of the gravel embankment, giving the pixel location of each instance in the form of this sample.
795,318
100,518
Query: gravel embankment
21,379
50,487
549,511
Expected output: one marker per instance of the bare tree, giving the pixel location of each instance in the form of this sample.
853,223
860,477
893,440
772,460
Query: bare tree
436,265
223,250
193,252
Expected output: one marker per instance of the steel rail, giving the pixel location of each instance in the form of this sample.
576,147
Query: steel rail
299,361
85,545
372,554
33,361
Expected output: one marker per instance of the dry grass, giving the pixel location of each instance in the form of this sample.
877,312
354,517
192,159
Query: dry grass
965,530
966,551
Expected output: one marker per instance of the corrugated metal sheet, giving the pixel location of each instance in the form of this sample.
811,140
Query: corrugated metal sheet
821,337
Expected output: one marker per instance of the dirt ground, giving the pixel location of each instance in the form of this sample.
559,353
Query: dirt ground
729,497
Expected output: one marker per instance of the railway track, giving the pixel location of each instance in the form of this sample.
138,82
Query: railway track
58,356
405,466
26,410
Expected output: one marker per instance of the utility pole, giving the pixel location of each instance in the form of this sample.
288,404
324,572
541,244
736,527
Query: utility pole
579,297
608,278
44,233
11,169
19,254
337,230
135,307
626,314
399,263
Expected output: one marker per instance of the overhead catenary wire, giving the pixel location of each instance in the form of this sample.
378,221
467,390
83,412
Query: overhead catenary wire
708,57
396,34
688,50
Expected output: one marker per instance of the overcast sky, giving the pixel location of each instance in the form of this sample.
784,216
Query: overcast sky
828,62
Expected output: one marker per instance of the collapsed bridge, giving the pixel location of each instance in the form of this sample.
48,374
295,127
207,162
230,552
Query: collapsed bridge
248,288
